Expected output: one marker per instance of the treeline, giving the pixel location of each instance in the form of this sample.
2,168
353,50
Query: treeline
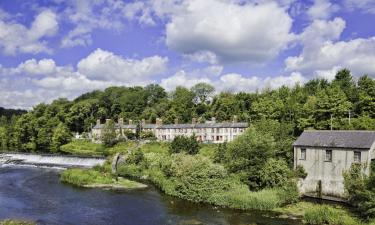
345,103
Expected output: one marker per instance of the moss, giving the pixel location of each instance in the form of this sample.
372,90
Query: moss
16,222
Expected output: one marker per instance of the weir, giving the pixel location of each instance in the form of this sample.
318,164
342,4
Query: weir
50,160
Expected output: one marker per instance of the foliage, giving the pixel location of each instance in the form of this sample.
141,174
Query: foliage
84,148
109,137
135,157
360,190
247,155
324,214
275,173
85,177
283,113
300,172
184,144
61,136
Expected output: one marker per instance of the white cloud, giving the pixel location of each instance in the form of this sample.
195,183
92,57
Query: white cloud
322,52
367,6
41,67
322,9
230,31
33,81
181,79
104,65
16,38
88,15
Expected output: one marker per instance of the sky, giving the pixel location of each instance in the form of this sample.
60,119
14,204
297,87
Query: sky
62,48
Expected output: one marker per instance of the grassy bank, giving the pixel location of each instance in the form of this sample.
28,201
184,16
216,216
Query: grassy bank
84,148
196,178
93,178
16,222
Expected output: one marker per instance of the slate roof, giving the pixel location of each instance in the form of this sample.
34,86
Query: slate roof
181,126
337,138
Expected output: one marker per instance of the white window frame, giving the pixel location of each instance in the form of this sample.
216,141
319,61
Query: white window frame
303,156
326,159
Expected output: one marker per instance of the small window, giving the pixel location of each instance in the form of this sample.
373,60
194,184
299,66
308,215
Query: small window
328,157
303,154
357,157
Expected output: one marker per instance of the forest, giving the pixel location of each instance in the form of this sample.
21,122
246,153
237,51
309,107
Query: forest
344,103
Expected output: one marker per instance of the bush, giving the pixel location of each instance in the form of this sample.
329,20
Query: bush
275,173
247,155
135,157
16,222
324,214
300,172
189,145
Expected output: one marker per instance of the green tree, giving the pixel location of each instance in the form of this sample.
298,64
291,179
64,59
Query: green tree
184,144
61,136
247,155
3,139
275,173
203,92
109,134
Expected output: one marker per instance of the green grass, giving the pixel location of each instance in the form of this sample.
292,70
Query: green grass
16,222
92,177
325,214
83,148
121,147
156,147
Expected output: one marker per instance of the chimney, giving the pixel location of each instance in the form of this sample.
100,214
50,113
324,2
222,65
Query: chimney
130,122
107,121
176,121
121,121
213,119
194,120
98,122
235,119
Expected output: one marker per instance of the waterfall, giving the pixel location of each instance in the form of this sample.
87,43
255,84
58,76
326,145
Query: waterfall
50,160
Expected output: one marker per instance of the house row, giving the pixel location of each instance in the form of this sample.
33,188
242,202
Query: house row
208,132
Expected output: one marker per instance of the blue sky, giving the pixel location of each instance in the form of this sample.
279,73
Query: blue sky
51,49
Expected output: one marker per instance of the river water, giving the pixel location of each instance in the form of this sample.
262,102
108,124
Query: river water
37,194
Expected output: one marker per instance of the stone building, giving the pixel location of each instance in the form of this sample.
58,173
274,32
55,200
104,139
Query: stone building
209,132
325,155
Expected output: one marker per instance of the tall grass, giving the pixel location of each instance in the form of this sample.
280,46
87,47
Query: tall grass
324,214
83,148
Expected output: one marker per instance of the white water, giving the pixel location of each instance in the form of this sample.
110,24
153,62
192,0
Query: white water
52,160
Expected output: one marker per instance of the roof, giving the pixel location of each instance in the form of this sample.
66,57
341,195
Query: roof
180,126
337,138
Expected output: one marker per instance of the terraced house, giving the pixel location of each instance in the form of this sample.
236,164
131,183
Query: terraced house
208,132
325,155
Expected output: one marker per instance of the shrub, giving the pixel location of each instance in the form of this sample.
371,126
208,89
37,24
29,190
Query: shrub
247,155
16,222
324,214
275,173
300,172
184,144
135,157
289,192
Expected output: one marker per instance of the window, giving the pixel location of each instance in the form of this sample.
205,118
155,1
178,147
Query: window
357,157
303,154
328,156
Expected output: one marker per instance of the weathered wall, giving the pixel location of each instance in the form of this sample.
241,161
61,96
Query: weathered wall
330,173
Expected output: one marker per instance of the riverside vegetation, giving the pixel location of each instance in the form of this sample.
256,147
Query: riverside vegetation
252,172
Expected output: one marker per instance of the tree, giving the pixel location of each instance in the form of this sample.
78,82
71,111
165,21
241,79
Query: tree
109,134
275,173
184,144
61,136
247,155
203,92
3,139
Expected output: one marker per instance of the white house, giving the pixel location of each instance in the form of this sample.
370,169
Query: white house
325,155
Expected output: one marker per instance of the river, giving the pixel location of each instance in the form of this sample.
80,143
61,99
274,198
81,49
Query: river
36,194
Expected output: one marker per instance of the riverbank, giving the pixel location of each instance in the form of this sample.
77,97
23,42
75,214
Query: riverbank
97,178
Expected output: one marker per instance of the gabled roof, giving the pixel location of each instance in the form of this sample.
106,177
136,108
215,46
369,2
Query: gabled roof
356,139
179,126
